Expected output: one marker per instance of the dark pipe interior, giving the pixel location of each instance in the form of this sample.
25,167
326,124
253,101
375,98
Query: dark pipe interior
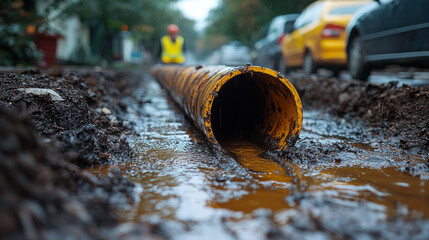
238,109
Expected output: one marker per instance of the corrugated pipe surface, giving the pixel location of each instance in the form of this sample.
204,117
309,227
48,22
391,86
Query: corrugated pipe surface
249,102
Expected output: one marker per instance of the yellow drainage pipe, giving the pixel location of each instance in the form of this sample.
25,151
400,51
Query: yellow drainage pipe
236,102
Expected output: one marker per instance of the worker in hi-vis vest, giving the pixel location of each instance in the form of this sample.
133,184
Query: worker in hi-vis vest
172,46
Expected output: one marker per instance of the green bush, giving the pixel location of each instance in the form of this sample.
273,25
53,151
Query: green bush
16,46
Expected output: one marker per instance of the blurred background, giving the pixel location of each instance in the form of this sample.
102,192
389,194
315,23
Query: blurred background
104,32
333,35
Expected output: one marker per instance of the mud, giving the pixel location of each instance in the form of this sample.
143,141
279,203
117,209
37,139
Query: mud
342,180
44,142
87,123
353,173
401,114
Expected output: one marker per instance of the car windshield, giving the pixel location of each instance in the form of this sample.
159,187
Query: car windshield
345,10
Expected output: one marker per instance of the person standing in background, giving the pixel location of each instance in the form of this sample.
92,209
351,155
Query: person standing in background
172,46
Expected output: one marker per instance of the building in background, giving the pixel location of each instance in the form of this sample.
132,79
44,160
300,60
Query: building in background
74,43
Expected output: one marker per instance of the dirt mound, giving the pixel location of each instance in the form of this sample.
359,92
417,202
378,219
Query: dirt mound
85,122
49,123
398,112
43,195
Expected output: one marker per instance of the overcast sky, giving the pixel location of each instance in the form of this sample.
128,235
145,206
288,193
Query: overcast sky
197,10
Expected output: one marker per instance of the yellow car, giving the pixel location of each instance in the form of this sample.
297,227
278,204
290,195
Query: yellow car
318,36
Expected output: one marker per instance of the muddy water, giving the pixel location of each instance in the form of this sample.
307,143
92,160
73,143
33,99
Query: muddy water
192,192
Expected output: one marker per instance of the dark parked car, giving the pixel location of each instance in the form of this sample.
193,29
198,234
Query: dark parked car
267,49
388,32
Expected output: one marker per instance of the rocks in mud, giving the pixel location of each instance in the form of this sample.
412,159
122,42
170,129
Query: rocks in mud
41,91
106,111
324,219
307,151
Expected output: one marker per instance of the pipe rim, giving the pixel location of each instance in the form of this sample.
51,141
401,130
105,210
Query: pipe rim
229,73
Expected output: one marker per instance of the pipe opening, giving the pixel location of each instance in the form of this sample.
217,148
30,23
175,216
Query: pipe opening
253,107
238,110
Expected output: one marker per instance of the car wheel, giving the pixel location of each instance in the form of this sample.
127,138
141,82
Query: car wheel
358,68
309,65
282,65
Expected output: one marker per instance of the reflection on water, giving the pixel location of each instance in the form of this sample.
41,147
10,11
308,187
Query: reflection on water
229,197
249,156
385,186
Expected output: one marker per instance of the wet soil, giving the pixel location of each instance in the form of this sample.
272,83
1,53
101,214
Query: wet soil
87,123
356,172
399,113
44,142
344,179
43,195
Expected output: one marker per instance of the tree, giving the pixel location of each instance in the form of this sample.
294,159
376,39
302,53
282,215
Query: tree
236,19
16,45
146,19
243,19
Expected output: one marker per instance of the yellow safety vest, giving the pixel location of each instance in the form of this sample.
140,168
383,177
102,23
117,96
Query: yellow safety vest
172,52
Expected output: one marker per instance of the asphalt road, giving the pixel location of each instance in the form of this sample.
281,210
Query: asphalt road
401,76
412,78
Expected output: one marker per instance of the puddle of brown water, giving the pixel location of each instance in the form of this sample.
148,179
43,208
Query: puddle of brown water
385,186
276,179
249,154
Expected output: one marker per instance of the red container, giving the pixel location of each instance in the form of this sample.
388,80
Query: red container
47,44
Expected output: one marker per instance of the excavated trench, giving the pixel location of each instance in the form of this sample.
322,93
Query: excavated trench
339,181
343,179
